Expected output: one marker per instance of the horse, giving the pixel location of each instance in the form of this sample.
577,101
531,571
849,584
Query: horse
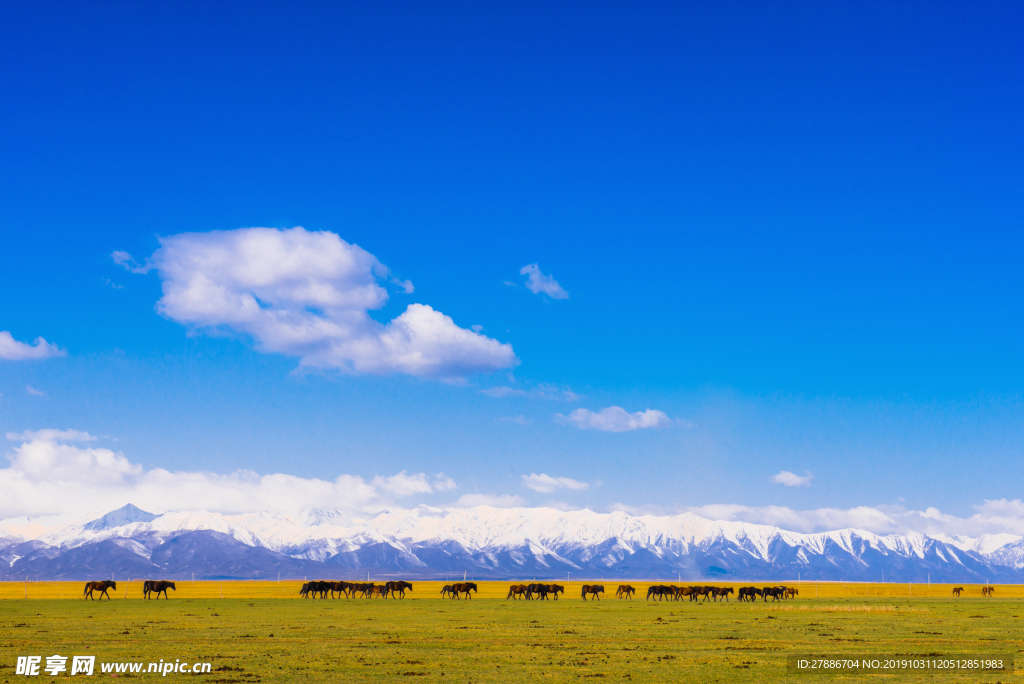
100,587
656,590
446,589
988,591
304,591
463,588
783,589
957,590
532,589
594,589
722,592
747,593
774,592
516,590
556,589
792,592
341,587
150,586
625,591
398,587
541,590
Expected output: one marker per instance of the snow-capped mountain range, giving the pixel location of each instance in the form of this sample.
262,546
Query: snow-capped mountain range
485,542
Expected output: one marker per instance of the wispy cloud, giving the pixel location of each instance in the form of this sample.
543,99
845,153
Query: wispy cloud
546,484
51,472
125,259
308,295
12,350
541,391
34,392
538,283
615,419
792,480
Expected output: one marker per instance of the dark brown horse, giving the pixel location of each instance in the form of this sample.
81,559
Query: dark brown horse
748,593
398,587
157,586
556,589
463,588
957,591
446,589
988,591
594,589
774,592
721,592
515,591
625,591
341,587
100,587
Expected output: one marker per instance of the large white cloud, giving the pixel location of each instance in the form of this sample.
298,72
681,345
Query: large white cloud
546,484
307,294
52,472
615,419
13,350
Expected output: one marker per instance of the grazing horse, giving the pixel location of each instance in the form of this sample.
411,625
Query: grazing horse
100,587
157,586
792,592
399,588
556,589
625,591
595,589
957,590
515,591
988,591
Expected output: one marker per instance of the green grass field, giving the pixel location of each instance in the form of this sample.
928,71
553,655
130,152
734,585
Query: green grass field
269,639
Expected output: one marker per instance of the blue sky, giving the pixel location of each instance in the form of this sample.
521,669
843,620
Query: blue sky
792,230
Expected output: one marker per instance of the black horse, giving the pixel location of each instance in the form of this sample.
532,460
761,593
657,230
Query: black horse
158,586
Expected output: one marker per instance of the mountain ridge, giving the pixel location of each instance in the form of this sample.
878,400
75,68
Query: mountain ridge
493,543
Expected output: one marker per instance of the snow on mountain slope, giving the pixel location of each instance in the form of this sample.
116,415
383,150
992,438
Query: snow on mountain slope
517,539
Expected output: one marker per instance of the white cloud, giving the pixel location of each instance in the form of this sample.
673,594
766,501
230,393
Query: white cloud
12,350
34,392
547,484
494,501
49,474
541,391
307,294
538,283
502,392
792,480
615,419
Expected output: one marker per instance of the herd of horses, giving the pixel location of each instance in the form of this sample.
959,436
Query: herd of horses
149,587
352,589
397,589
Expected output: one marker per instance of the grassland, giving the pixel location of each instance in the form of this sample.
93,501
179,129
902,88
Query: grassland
261,631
